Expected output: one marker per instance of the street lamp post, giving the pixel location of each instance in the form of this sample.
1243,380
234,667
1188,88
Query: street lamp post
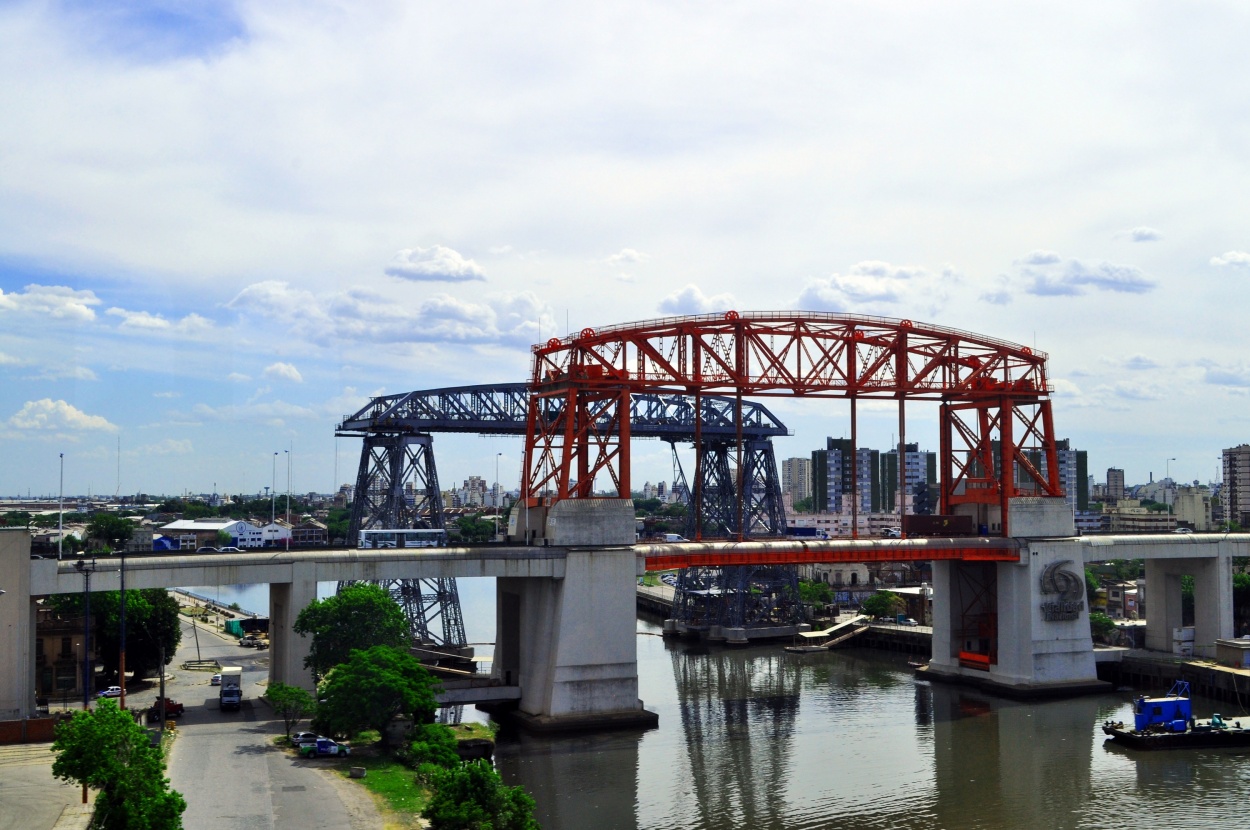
498,455
1167,486
121,650
60,517
273,491
86,570
288,494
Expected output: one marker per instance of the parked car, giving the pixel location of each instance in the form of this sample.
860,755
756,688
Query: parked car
907,621
111,691
323,748
892,533
173,709
1183,530
206,549
248,641
216,681
300,738
229,550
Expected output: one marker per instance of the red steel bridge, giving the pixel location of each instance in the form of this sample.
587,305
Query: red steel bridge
996,430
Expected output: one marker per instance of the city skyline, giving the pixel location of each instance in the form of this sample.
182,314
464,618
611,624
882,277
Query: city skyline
225,228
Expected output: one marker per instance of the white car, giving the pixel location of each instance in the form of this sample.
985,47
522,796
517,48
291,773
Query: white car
216,681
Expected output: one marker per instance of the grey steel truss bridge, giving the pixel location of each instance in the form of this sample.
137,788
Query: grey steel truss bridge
397,481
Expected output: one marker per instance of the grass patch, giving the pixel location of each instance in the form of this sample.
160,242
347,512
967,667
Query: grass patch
651,579
392,783
468,731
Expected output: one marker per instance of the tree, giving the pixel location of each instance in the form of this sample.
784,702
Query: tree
431,743
1100,626
884,604
106,750
110,530
151,623
371,689
224,539
359,616
1091,586
475,529
291,703
803,505
815,593
472,796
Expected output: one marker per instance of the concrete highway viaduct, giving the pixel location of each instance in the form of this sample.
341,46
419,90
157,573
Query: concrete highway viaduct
1007,611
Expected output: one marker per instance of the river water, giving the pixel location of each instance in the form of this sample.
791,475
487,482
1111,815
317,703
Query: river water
758,738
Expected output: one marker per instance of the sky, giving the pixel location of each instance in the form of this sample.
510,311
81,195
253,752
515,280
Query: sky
224,226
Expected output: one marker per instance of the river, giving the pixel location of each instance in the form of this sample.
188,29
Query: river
758,738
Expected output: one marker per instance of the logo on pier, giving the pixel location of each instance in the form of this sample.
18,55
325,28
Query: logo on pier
1070,588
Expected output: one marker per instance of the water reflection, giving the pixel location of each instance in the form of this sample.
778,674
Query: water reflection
738,711
847,740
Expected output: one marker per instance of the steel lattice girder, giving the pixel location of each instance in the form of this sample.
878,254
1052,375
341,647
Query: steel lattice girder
388,464
762,505
995,450
500,409
768,353
738,596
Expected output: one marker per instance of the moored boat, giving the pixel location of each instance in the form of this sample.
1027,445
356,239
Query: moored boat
1168,723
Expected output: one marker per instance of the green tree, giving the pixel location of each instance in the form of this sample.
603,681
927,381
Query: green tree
337,523
224,539
106,750
291,703
804,505
109,530
884,604
359,616
1101,626
815,593
16,518
431,743
472,796
151,623
475,528
1091,586
371,689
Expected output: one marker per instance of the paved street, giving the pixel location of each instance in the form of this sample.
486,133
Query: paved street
226,765
30,798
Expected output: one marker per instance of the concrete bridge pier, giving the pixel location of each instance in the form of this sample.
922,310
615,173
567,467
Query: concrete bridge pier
1020,628
17,626
1213,598
287,649
569,642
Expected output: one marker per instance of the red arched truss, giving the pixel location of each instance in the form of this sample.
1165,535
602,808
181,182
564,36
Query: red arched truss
996,429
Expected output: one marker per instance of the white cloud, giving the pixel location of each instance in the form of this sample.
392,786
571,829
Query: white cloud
692,300
1065,388
1237,376
1139,362
167,394
283,371
1046,274
626,255
168,446
1144,234
56,301
8,360
435,264
238,377
148,322
1236,259
66,373
50,415
872,285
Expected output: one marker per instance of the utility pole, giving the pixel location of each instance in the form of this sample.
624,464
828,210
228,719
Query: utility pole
60,519
121,652
86,570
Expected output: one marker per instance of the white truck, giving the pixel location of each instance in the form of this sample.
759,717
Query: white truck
231,687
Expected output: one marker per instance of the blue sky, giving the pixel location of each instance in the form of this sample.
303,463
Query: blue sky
223,226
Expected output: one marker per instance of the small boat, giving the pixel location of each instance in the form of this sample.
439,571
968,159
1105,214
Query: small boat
1168,723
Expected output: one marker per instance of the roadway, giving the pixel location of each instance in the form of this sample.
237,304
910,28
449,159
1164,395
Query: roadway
226,765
